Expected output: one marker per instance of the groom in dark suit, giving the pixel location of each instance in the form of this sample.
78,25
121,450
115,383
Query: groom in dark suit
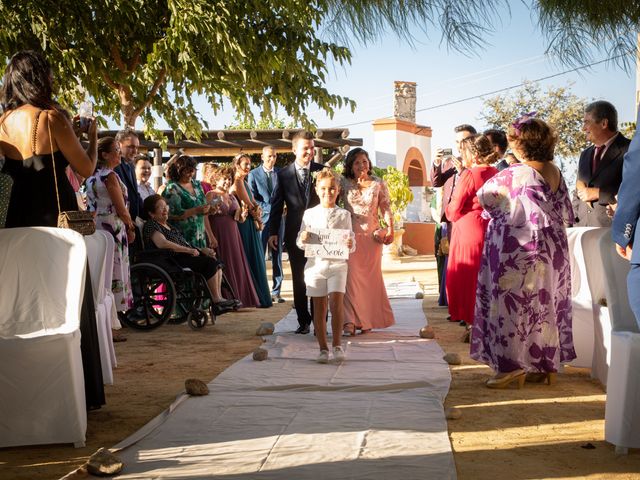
262,182
294,189
600,166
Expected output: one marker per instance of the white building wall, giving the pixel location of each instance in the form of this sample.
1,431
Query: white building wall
385,145
391,147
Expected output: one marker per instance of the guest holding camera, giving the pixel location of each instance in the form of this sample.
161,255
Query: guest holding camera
37,136
444,175
366,304
38,142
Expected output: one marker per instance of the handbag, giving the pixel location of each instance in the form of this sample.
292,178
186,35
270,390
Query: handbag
79,220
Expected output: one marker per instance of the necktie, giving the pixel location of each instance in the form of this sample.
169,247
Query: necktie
597,155
305,178
269,182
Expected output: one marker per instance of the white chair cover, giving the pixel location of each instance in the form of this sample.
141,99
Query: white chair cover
96,252
601,322
108,299
41,377
587,291
622,413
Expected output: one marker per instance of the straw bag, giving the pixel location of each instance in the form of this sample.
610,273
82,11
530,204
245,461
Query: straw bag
80,221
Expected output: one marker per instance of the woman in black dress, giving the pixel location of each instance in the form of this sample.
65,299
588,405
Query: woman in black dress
36,136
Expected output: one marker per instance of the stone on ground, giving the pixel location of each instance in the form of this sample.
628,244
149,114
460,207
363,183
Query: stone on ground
265,328
196,387
260,354
452,359
104,463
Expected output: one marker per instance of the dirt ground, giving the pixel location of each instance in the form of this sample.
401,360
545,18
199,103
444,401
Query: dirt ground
538,432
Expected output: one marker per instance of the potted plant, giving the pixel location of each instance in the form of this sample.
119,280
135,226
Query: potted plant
400,196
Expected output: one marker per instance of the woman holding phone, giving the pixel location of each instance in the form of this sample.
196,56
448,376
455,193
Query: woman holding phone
37,136
38,141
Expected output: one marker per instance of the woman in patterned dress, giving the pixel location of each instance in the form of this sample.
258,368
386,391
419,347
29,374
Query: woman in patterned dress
366,304
522,325
187,203
107,198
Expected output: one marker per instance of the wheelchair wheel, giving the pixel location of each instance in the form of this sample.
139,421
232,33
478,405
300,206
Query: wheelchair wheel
154,297
196,319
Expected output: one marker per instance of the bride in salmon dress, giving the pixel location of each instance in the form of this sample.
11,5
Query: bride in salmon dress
366,197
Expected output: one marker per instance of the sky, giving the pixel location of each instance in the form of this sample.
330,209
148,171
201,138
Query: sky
514,53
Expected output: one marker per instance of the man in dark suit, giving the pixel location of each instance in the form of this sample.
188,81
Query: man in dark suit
443,175
600,166
129,145
262,182
295,190
627,220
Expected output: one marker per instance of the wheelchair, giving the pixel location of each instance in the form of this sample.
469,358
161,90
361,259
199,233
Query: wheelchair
164,291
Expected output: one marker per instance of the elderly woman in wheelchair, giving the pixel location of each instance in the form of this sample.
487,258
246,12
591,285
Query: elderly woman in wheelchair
163,274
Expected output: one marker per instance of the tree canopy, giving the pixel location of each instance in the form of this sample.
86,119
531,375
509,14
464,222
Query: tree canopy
151,58
557,106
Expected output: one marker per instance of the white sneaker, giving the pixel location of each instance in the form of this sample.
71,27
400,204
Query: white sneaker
323,357
338,354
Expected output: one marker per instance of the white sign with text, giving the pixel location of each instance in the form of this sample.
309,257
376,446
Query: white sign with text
327,243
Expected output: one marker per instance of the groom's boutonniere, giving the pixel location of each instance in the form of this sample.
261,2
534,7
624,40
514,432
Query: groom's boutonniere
314,175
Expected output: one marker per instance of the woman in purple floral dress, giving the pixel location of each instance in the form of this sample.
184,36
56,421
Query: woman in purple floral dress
522,326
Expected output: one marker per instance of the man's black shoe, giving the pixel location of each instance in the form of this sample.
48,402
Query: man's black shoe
303,330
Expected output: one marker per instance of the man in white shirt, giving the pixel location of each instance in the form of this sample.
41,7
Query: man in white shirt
143,172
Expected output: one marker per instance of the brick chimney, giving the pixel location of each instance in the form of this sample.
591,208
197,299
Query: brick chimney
404,101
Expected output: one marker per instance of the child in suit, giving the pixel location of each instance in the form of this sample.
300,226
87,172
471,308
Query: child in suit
326,276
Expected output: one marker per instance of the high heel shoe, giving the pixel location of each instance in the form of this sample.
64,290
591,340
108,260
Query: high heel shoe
539,377
506,380
349,330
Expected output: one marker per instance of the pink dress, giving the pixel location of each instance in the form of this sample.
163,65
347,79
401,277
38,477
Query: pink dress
366,304
231,252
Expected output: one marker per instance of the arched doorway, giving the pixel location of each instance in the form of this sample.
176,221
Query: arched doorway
415,168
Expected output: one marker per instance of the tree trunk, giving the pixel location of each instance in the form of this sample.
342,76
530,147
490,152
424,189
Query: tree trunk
128,109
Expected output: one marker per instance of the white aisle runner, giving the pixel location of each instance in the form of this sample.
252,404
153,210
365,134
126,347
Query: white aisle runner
379,415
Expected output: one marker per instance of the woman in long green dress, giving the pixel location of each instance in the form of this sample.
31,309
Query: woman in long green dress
249,229
187,203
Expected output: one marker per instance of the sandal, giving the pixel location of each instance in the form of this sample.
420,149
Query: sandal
349,330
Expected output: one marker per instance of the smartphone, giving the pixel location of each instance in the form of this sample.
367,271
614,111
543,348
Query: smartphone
85,112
